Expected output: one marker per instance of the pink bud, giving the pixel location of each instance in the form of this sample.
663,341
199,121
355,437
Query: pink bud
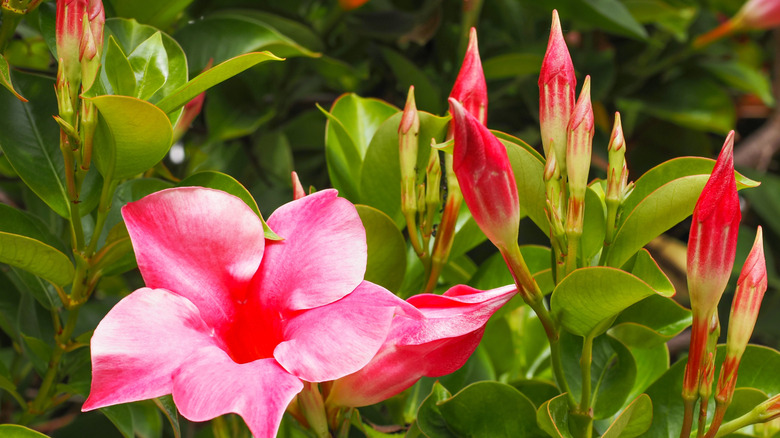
713,238
556,92
759,14
482,167
751,287
69,29
298,191
470,88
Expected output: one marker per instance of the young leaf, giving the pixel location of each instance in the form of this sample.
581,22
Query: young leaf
5,79
150,66
553,417
118,70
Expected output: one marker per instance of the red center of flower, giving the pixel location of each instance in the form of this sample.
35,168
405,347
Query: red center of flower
253,334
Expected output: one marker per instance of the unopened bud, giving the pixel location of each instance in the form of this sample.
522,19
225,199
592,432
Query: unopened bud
580,144
408,132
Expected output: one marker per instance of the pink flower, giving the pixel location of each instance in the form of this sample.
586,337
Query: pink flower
436,337
556,93
470,88
231,322
485,177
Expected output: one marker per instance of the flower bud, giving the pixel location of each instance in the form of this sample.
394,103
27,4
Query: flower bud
470,88
751,287
433,184
617,176
759,14
713,238
408,132
188,115
69,30
580,143
556,93
298,191
485,176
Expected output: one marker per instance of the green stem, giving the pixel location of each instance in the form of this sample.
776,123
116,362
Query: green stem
585,362
571,253
734,425
685,432
106,196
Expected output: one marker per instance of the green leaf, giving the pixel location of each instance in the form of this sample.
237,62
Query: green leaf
386,249
474,410
135,419
651,363
213,76
229,114
239,33
168,407
38,351
675,17
528,167
692,102
652,321
380,176
586,301
512,65
5,79
742,77
155,13
427,93
661,198
553,417
132,136
633,421
16,431
150,66
119,72
429,417
538,391
594,225
30,140
36,257
7,385
609,15
226,183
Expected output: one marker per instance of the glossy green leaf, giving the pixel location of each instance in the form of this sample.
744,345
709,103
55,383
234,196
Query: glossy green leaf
429,417
613,372
512,65
5,79
528,167
691,102
135,419
230,115
17,431
587,300
352,123
155,13
29,139
609,15
149,61
553,417
168,408
239,33
474,410
133,135
386,249
652,321
633,421
742,77
380,176
662,197
213,76
537,390
119,72
651,363
36,257
427,93
594,225
226,183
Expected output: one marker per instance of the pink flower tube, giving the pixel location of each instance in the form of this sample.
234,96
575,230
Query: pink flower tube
231,322
435,337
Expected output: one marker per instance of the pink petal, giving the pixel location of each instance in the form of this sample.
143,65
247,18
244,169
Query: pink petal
437,344
139,345
338,339
323,256
211,384
202,244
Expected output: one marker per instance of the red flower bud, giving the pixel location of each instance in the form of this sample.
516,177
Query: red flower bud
556,93
713,239
482,167
759,14
470,88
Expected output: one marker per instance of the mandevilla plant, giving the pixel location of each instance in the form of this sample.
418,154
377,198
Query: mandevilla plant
400,302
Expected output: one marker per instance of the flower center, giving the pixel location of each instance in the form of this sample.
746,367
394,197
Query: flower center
253,335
